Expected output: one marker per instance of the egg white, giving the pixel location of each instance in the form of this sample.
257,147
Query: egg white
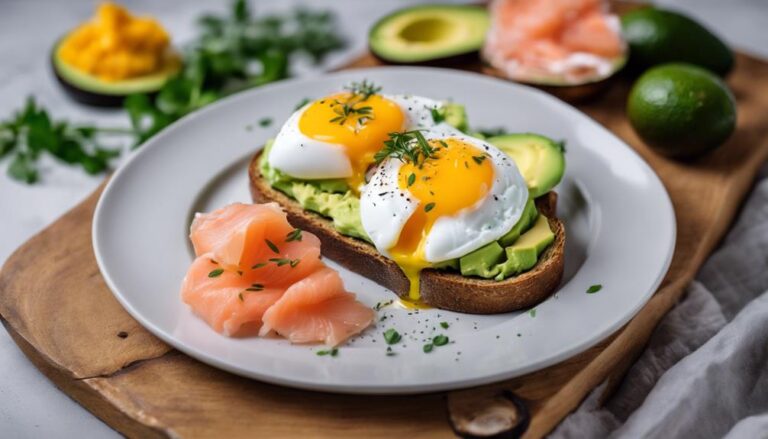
385,208
302,157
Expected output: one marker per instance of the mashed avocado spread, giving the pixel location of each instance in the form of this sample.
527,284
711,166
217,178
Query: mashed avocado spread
515,252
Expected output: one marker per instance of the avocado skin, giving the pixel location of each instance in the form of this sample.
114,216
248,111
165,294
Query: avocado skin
87,97
681,110
657,36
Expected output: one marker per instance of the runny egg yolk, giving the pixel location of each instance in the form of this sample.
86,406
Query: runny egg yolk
456,177
360,125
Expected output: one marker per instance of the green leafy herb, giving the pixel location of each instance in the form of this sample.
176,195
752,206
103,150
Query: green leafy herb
411,179
31,132
294,262
407,146
444,325
479,159
332,352
280,261
216,273
255,287
265,122
294,235
363,89
594,288
234,52
428,348
259,265
437,115
391,336
272,246
345,110
532,312
440,340
429,207
302,103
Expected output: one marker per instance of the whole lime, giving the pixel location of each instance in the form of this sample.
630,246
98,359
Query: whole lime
681,110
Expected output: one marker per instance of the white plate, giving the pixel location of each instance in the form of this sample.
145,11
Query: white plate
619,220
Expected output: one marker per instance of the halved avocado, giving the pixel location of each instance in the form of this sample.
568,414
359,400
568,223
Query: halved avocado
91,90
540,159
429,33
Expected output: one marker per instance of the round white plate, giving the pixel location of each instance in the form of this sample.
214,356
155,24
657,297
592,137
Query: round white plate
619,219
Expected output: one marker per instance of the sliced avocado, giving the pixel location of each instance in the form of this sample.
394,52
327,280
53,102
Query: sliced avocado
429,33
524,253
89,89
527,219
540,159
456,116
657,36
483,261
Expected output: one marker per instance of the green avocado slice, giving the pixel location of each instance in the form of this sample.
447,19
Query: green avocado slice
540,159
428,33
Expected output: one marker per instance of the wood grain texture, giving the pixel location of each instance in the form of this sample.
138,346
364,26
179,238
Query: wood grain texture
58,309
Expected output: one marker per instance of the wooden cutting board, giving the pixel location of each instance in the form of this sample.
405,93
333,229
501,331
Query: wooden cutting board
55,305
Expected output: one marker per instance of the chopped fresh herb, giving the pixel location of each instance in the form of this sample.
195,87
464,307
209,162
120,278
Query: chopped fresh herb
594,288
429,207
332,352
216,273
391,336
428,348
213,262
272,246
345,110
363,89
255,287
479,159
280,261
240,296
294,235
294,262
444,325
532,312
442,142
411,179
381,305
265,122
437,115
409,146
259,265
440,340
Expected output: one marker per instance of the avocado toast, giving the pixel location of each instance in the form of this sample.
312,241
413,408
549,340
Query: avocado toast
438,216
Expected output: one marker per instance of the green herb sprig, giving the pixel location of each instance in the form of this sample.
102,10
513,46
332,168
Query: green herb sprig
408,146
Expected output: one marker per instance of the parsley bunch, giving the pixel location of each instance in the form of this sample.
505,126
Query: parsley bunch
233,53
31,133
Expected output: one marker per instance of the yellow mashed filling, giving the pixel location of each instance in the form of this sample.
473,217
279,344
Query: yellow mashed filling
116,45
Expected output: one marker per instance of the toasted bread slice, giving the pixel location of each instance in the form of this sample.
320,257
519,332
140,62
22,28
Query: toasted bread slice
439,288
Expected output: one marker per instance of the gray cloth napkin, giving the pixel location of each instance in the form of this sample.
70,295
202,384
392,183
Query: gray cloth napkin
704,373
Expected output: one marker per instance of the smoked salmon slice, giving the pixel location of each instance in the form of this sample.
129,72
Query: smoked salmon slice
248,259
317,309
555,41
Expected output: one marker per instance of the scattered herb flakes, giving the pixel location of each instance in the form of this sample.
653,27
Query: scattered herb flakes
440,340
363,89
330,352
411,179
294,262
265,122
216,273
255,287
294,235
429,207
428,348
381,305
240,296
409,146
280,261
444,325
391,336
532,312
594,288
272,246
259,265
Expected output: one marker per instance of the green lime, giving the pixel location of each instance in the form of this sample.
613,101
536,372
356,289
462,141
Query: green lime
681,110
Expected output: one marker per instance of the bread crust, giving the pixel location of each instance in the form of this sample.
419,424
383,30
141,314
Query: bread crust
439,288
